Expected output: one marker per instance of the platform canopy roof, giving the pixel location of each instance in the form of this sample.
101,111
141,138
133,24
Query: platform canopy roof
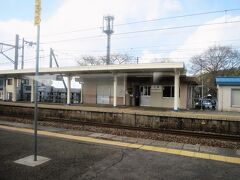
228,81
120,68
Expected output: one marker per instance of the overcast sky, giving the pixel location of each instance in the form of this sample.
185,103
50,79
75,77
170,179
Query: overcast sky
73,28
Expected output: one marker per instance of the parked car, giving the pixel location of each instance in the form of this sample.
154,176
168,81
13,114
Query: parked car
205,104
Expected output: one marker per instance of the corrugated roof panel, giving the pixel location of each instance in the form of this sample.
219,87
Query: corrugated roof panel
228,81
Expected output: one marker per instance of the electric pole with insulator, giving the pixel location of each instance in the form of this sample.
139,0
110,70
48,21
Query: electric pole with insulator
29,43
108,29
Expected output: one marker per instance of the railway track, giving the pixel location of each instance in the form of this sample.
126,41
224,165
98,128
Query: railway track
226,137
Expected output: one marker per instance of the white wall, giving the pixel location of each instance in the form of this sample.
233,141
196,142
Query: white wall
224,98
157,99
10,88
92,85
1,94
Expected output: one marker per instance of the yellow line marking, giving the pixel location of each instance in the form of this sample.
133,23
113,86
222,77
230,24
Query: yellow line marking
234,160
202,155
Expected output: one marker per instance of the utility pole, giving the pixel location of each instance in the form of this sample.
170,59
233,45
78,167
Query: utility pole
22,65
10,47
108,29
30,43
16,52
51,54
16,48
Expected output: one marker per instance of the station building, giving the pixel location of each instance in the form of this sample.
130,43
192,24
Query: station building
228,90
163,85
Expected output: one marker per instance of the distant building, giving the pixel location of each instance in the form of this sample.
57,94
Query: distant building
228,93
46,93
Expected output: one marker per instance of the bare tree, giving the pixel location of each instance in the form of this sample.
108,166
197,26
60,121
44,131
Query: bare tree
216,61
114,59
121,59
89,61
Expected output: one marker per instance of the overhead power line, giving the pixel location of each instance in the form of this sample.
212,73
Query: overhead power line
176,27
73,31
144,31
74,39
29,60
145,47
180,16
144,21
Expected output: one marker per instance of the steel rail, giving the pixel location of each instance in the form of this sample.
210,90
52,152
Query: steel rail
199,134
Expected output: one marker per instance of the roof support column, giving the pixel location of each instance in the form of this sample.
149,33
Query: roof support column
176,90
14,99
124,88
4,90
115,90
32,83
81,101
69,90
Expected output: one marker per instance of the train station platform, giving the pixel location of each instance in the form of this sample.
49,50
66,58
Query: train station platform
198,114
87,155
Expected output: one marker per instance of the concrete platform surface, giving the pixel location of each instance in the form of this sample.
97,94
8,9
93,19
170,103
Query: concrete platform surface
206,114
164,144
29,161
73,159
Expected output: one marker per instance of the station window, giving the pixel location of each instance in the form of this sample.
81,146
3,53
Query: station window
28,88
168,91
235,98
145,90
25,81
9,82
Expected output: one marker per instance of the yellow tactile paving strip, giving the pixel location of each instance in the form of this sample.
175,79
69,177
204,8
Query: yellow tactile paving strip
227,159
